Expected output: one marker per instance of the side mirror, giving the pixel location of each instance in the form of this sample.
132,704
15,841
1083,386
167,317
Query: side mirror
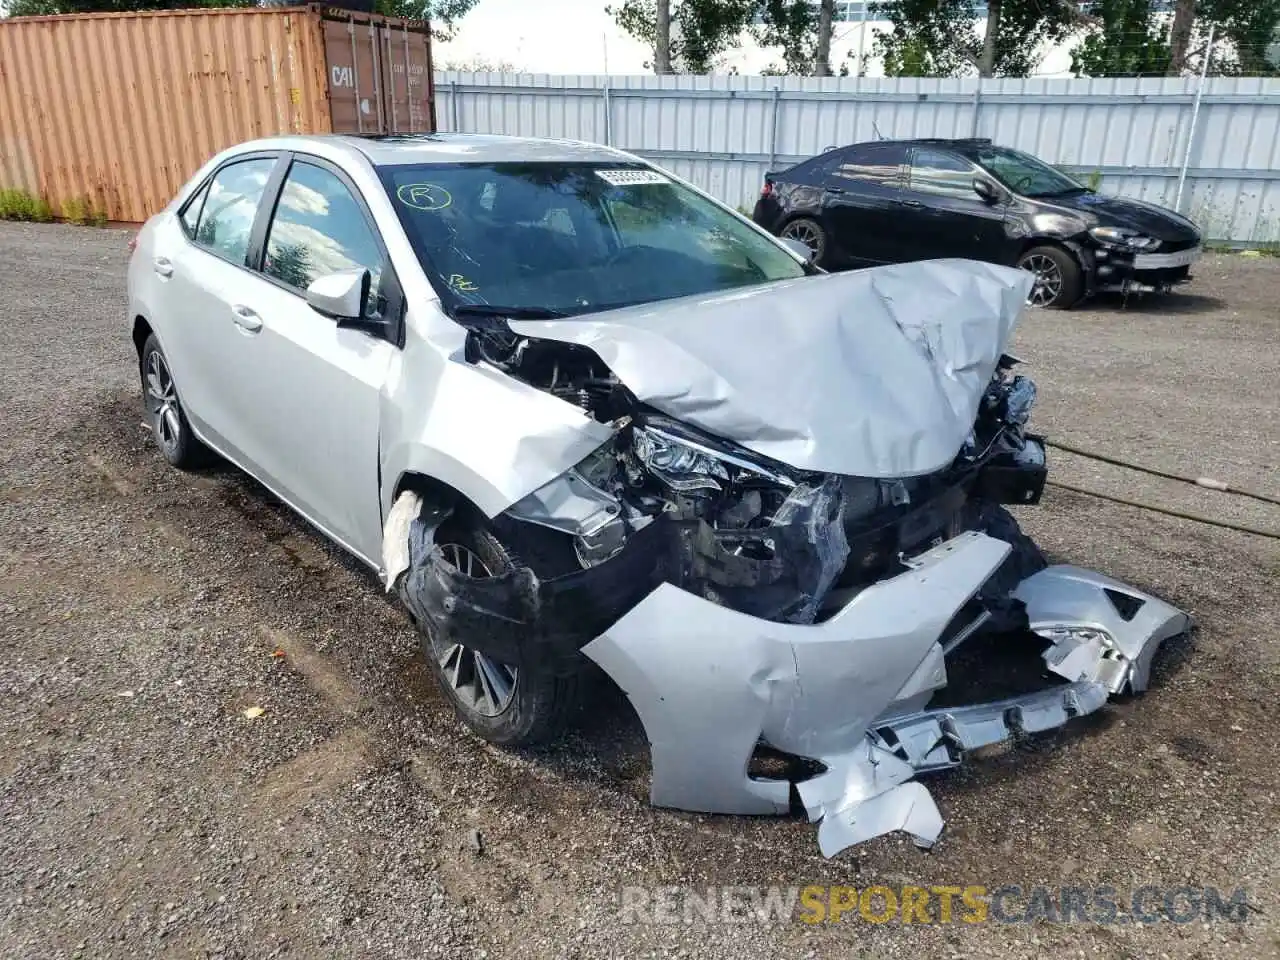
987,191
340,296
798,247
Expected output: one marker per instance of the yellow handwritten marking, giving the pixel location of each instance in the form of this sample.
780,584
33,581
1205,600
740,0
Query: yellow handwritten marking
424,196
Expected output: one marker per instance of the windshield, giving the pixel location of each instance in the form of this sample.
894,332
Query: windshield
1024,174
573,237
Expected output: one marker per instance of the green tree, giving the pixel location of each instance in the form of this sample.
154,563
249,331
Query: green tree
700,30
1252,28
1129,42
944,38
443,14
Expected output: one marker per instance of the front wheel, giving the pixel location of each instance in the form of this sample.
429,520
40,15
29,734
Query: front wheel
506,705
1059,281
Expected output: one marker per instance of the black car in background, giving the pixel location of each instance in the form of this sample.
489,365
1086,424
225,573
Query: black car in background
895,200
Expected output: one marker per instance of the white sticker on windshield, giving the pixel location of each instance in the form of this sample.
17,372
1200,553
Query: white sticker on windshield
630,178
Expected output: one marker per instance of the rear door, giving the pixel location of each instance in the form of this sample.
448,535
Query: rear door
203,278
861,208
952,220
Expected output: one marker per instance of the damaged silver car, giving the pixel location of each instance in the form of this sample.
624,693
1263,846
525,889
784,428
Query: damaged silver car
572,409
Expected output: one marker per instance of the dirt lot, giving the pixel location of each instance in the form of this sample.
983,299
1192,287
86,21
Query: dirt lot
141,610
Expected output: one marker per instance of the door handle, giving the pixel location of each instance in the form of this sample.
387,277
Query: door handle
835,189
246,319
162,266
911,203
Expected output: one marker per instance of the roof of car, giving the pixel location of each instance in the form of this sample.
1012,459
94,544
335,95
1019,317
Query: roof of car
397,149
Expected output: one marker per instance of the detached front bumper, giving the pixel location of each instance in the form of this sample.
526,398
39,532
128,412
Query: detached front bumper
710,685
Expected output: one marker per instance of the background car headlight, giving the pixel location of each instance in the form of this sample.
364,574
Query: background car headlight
1123,237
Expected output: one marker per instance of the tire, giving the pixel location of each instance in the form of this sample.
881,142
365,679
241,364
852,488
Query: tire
163,410
539,701
1026,557
1059,279
809,232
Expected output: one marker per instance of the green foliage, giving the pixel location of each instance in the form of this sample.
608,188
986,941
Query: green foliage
81,211
443,14
1130,43
943,38
701,30
1252,27
793,26
20,205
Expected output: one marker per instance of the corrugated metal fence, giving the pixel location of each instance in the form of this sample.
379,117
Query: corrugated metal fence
724,132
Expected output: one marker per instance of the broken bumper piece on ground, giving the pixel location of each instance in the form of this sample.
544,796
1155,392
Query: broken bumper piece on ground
846,696
711,685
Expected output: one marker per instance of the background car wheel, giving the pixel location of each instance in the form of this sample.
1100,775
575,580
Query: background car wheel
810,233
164,411
506,705
1059,280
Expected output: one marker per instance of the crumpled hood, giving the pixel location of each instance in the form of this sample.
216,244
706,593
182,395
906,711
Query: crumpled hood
875,373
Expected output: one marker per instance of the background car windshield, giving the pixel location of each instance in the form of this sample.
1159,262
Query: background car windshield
573,237
1024,174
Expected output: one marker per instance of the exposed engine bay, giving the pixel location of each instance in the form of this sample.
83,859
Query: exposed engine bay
807,605
764,538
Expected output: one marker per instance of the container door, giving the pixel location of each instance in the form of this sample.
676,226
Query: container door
406,80
352,53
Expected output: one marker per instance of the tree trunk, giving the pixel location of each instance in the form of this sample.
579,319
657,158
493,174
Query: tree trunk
1184,16
822,57
662,46
987,60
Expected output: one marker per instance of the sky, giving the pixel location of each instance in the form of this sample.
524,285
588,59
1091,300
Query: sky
571,36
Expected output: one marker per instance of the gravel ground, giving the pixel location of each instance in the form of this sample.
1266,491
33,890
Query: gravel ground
143,610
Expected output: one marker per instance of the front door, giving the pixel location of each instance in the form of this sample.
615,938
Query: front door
314,435
953,220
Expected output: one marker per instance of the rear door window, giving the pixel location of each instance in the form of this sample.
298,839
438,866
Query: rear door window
230,206
942,174
874,163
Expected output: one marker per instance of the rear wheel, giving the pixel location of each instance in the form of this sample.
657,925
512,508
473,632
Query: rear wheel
1059,280
164,411
810,233
505,704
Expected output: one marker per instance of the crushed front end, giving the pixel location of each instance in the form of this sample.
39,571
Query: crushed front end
747,606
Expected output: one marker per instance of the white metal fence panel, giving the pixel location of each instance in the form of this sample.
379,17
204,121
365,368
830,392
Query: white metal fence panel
724,132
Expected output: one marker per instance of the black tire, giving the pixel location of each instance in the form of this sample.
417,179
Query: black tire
1067,287
542,699
809,232
164,413
1026,557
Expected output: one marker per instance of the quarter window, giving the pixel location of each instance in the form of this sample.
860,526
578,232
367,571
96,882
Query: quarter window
230,205
942,174
319,229
191,212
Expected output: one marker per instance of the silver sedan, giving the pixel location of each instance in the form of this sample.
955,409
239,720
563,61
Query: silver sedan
567,405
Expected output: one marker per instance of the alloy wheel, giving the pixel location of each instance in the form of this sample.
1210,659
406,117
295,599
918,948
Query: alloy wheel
478,682
806,233
1048,282
162,402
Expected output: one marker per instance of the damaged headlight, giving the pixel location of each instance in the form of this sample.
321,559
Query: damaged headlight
1123,237
684,463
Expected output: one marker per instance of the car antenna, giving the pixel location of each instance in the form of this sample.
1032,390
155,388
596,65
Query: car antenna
876,129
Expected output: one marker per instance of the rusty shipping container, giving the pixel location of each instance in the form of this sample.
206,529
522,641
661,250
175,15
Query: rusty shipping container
121,109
